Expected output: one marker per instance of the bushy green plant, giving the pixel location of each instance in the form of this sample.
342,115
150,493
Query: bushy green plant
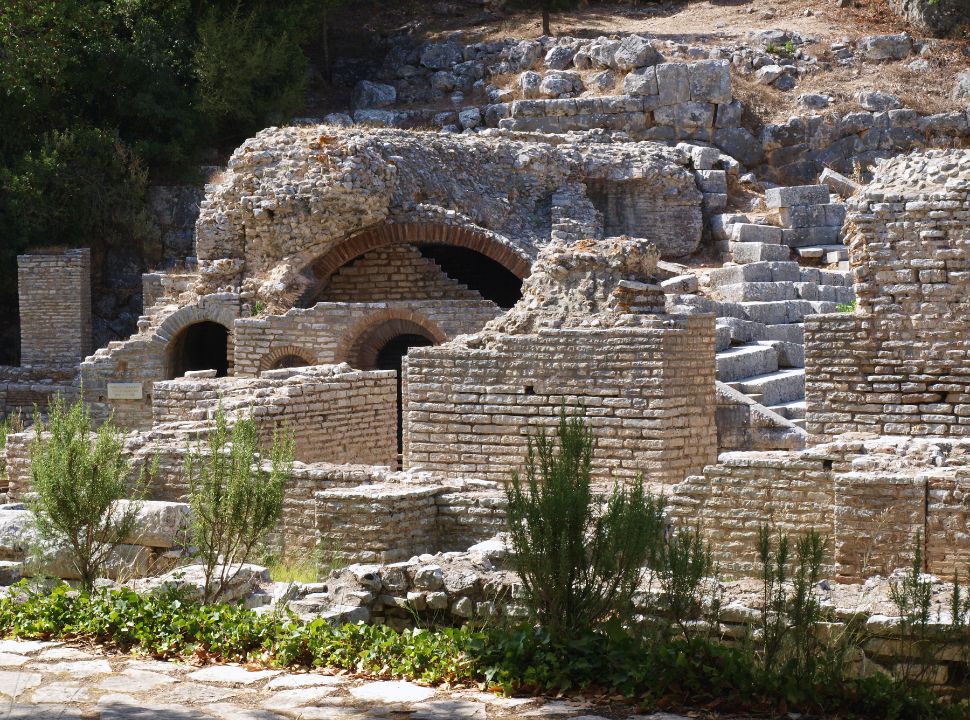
581,556
682,565
791,607
235,502
79,482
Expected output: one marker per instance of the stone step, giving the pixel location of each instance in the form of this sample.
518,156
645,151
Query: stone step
779,312
789,332
748,252
756,291
745,361
776,388
791,411
753,232
742,331
810,236
798,422
790,355
761,271
818,276
829,293
822,252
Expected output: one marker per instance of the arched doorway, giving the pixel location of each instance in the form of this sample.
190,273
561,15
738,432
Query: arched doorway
200,346
289,361
383,346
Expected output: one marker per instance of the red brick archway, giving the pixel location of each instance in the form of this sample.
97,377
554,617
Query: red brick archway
499,250
362,342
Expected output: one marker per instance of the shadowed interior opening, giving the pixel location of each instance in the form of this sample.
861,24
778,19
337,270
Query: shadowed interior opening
492,280
200,346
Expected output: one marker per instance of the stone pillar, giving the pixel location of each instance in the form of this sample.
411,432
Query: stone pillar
55,308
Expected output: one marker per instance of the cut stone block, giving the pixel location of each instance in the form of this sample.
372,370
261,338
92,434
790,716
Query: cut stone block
763,291
721,224
777,313
838,183
783,386
710,81
789,332
742,331
749,252
751,232
745,361
680,284
810,236
797,195
790,355
712,181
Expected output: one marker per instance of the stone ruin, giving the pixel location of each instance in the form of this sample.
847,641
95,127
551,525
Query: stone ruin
414,304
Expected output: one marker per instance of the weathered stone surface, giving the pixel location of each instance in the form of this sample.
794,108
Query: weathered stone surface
710,81
634,51
369,94
392,692
158,524
885,47
231,675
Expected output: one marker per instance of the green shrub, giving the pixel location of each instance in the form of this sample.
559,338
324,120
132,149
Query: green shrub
235,503
683,563
521,658
578,565
78,483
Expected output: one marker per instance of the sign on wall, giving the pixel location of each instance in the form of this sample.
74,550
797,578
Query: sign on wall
125,391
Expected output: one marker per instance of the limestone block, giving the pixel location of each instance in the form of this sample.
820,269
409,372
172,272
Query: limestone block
673,83
642,81
124,563
560,82
685,115
710,81
530,83
712,181
797,195
158,524
634,51
441,56
369,94
739,144
754,233
749,252
729,114
885,47
16,533
560,57
680,284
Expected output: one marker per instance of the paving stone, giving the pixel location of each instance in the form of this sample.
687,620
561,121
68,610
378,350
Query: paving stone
448,709
42,712
556,708
334,713
194,693
155,666
11,660
232,675
125,707
225,711
25,647
296,697
79,668
135,681
60,692
304,680
392,691
65,653
13,683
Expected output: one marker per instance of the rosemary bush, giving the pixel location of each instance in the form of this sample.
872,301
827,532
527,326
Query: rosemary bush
78,482
235,502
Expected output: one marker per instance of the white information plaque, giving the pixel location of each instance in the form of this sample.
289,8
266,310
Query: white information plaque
124,391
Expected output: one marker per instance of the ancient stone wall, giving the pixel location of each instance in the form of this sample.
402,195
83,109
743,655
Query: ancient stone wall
900,364
869,499
468,411
328,332
336,414
55,308
118,378
351,180
398,272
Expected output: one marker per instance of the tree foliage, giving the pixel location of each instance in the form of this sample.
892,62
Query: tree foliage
235,502
581,556
79,482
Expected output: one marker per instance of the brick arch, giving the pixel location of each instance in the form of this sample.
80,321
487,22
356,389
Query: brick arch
270,359
361,343
411,233
182,319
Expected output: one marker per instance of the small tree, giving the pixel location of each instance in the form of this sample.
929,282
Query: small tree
235,502
78,484
546,6
581,556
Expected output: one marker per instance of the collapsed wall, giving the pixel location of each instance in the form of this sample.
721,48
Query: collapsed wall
590,332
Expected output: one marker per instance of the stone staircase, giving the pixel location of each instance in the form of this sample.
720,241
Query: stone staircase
761,300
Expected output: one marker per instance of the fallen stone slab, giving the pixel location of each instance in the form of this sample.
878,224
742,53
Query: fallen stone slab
14,683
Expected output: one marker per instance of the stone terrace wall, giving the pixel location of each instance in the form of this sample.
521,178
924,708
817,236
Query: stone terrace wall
336,415
55,308
900,365
326,333
648,393
23,389
868,498
669,101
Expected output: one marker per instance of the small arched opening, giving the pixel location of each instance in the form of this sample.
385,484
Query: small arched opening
199,346
289,361
383,347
